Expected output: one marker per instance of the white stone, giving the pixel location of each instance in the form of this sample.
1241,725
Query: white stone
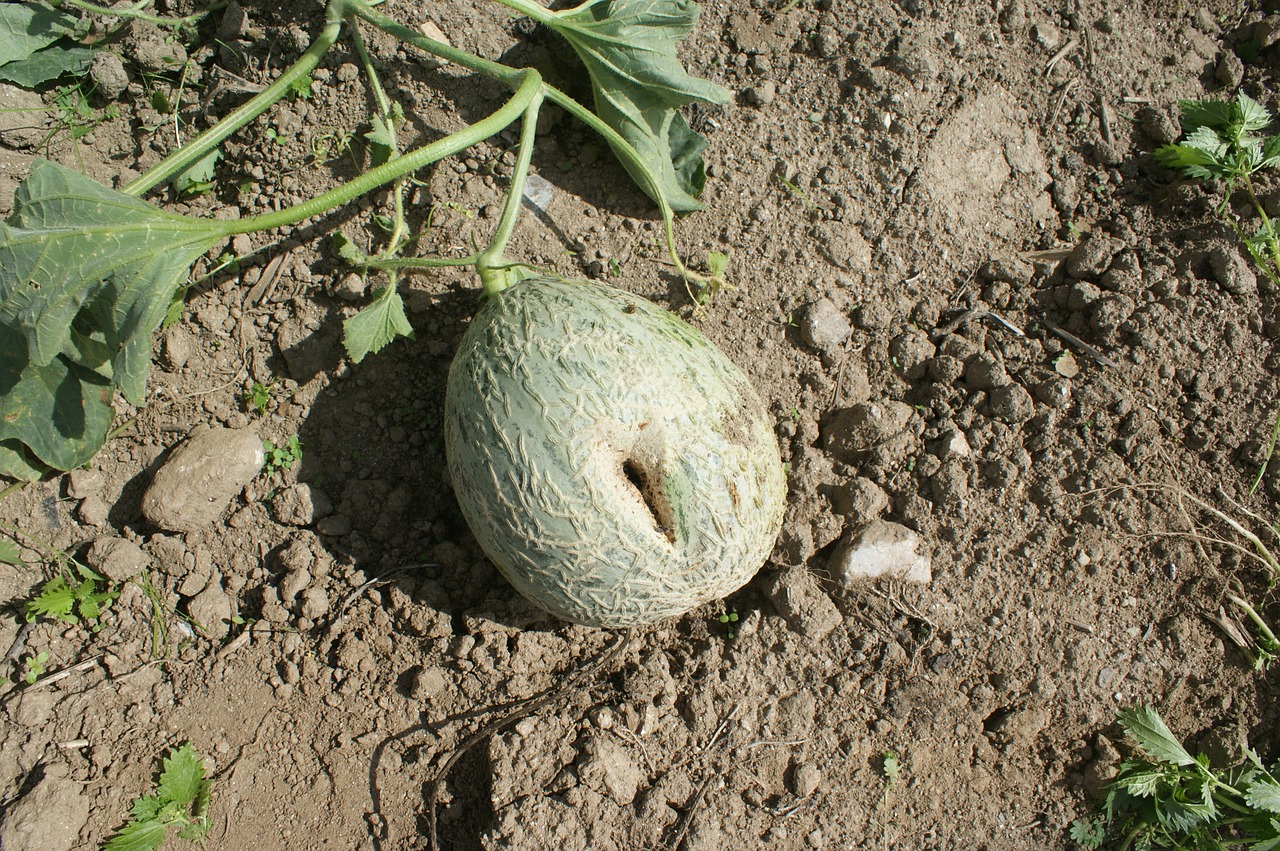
881,549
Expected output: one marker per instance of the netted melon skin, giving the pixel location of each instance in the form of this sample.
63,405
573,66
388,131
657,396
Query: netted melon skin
610,460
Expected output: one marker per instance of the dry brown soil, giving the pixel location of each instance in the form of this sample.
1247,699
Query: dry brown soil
912,195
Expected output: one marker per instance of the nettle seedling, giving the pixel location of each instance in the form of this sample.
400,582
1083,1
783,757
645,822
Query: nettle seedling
1176,800
282,457
611,461
1221,143
73,600
180,800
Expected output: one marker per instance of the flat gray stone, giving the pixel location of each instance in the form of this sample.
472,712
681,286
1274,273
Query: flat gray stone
879,549
193,487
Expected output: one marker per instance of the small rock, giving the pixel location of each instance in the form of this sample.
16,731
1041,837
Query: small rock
860,500
296,555
315,603
118,559
985,373
352,287
1093,255
108,75
295,506
82,483
211,610
763,94
802,603
607,767
47,818
293,584
1232,271
428,683
911,352
153,54
1161,127
1011,403
177,348
1008,270
93,511
825,326
805,779
23,122
878,549
861,427
1230,70
193,487
953,444
1267,31
234,23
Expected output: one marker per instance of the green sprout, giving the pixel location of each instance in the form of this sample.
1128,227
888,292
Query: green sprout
1221,144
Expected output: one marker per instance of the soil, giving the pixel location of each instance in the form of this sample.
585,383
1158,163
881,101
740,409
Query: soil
916,198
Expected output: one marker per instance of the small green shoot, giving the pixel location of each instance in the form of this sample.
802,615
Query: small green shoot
1221,144
258,396
1269,452
62,600
281,457
729,619
180,799
33,667
1175,800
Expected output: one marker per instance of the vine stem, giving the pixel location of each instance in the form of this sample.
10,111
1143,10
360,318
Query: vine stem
389,171
491,262
135,12
193,151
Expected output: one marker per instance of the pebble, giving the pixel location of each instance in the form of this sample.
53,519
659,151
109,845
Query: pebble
108,75
860,500
1159,125
118,559
300,505
315,603
763,94
93,511
293,584
805,779
985,373
825,326
1092,255
606,766
211,610
861,427
1011,403
83,483
194,485
1232,271
881,548
797,597
911,351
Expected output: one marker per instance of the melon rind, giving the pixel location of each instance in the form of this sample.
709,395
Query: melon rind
613,463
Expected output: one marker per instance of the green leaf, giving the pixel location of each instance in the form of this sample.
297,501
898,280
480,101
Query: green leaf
629,49
55,600
1146,728
145,808
1271,842
1270,153
1206,113
1250,115
347,249
138,836
182,776
28,27
376,325
10,553
1264,795
382,141
1089,832
17,462
86,274
48,64
197,178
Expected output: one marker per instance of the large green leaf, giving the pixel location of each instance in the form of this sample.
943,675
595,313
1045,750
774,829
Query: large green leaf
48,64
629,49
86,274
72,242
27,27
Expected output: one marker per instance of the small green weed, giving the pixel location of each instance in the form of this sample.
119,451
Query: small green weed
74,600
258,396
281,457
729,620
180,799
33,667
1175,800
1221,144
